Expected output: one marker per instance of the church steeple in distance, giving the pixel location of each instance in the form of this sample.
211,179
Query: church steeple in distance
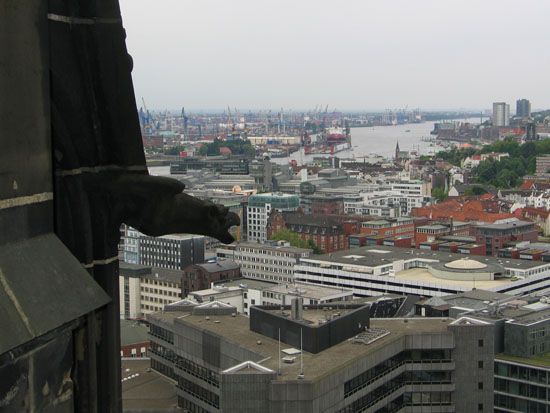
397,151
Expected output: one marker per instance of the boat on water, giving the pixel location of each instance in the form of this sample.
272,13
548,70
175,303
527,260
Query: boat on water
408,130
337,139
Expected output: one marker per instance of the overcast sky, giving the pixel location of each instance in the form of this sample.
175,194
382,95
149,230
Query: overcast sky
360,54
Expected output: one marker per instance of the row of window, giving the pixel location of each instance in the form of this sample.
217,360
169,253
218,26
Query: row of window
522,389
408,356
151,307
264,252
410,377
268,261
162,292
198,371
162,333
521,372
263,268
517,404
156,299
199,392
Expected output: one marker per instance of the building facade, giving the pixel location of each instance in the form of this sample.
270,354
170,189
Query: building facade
200,276
523,108
233,364
144,290
377,270
328,233
495,236
501,114
269,262
403,227
260,207
175,251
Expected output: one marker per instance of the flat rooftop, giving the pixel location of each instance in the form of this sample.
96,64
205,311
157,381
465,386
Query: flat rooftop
377,255
246,283
236,330
316,292
542,360
143,389
423,275
506,225
313,317
517,312
257,246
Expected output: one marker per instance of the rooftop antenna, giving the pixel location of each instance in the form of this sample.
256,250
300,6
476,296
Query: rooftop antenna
279,351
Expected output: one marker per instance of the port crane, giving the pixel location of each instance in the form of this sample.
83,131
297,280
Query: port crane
185,123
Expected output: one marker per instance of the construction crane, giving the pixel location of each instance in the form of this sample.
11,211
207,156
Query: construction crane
185,123
147,118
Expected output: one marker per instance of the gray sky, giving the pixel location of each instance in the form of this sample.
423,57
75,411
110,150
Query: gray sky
360,54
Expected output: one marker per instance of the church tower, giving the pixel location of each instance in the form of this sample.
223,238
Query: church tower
397,151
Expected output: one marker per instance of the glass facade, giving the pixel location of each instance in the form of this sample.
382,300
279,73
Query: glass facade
521,388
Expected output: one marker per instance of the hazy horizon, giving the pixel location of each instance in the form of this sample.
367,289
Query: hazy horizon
359,56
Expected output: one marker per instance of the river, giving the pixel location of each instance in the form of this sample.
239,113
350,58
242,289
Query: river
381,140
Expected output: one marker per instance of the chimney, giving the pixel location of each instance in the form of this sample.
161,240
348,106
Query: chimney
296,308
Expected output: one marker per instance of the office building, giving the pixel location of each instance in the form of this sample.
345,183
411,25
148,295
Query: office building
144,290
523,108
175,251
259,208
377,270
269,262
501,114
349,362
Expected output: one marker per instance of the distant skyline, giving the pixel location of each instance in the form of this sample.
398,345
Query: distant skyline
351,55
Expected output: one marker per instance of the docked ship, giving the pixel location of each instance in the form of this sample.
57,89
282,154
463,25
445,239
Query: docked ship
337,139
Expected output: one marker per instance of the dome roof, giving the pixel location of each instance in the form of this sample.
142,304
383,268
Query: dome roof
465,264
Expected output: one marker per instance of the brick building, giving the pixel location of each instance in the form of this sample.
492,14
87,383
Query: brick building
200,276
327,232
134,339
496,236
433,231
403,227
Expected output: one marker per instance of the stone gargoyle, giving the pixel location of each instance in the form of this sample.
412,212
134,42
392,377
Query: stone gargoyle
157,206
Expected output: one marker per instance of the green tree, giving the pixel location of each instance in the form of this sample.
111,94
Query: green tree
294,239
440,194
238,147
475,191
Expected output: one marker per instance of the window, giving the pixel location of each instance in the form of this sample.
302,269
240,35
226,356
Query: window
480,364
480,343
480,385
480,407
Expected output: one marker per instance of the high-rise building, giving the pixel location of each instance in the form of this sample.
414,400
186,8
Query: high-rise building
523,108
258,210
501,114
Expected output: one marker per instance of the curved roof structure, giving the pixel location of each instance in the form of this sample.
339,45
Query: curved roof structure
466,264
